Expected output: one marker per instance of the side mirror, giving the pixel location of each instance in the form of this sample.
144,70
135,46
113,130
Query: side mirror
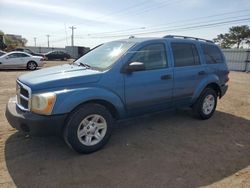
134,66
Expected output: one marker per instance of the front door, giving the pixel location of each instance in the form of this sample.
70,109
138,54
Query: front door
9,61
149,89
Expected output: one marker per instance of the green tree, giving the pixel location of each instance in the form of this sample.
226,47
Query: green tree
237,36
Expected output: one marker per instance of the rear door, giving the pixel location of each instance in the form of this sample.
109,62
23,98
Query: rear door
188,71
149,89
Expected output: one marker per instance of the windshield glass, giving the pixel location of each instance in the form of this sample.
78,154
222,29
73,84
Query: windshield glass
105,55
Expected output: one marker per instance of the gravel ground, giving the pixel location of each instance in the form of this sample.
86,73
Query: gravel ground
170,149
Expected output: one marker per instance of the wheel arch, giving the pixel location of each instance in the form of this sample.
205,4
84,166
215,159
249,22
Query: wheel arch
108,105
212,81
31,61
215,87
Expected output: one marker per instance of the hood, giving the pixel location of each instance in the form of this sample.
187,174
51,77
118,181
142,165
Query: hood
60,76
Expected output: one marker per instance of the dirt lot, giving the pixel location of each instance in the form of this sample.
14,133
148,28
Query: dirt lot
165,150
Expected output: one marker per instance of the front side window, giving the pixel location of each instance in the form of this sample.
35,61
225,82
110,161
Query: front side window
212,54
153,56
14,55
105,55
185,54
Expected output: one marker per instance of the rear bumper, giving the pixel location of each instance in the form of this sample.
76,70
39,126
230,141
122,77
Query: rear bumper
31,123
224,89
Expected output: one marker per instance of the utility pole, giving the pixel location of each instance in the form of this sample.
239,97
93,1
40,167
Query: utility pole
35,41
48,39
72,35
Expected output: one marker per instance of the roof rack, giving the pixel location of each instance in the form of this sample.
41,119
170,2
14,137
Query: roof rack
186,37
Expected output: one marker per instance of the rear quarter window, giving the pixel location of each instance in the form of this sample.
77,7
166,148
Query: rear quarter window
212,54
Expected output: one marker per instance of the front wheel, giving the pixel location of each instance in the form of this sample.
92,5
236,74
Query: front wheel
89,128
206,104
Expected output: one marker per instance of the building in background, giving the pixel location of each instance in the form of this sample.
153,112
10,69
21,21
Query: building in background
14,37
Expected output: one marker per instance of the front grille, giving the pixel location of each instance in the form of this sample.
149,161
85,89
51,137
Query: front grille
23,96
24,92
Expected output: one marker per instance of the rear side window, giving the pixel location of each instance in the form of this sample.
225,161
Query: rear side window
185,54
153,56
212,54
22,55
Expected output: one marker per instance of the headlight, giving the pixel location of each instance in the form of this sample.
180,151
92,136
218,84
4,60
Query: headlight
43,103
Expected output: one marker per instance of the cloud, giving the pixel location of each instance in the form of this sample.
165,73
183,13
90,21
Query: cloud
82,14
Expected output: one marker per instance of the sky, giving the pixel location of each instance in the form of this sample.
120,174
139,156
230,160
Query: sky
106,20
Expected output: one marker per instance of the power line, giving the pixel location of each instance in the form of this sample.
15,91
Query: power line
187,21
179,29
159,28
167,27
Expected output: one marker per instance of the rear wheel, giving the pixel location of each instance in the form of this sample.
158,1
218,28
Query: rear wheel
206,104
89,128
31,65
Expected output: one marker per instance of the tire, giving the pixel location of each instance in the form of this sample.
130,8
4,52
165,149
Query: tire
206,104
80,132
31,65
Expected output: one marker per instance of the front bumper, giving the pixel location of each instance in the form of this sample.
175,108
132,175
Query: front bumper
31,123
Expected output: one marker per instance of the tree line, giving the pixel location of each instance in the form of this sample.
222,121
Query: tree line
237,37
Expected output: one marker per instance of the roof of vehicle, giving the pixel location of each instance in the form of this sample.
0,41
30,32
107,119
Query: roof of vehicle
13,52
167,37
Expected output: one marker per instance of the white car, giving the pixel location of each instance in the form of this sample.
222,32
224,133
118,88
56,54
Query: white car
14,60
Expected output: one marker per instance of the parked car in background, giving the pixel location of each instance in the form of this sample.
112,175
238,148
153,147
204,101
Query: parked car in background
57,55
27,50
2,52
118,80
15,60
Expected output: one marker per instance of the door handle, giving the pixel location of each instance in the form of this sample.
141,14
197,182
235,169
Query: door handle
202,73
166,77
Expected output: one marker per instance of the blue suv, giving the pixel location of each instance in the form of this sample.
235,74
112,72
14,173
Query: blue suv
118,80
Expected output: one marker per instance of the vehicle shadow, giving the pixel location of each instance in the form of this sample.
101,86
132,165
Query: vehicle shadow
168,149
20,70
14,70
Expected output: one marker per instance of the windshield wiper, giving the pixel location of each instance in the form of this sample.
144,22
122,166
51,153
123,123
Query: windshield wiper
85,65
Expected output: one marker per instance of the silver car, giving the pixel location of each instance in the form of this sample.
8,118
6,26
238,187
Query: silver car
15,60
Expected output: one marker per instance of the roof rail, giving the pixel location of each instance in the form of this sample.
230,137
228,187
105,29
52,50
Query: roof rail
186,37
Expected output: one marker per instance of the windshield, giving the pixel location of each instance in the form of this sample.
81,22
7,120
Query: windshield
105,55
